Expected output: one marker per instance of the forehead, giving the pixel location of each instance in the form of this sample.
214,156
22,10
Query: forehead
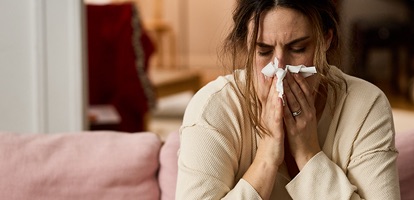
283,24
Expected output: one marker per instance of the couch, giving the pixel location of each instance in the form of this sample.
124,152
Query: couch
102,165
108,165
404,142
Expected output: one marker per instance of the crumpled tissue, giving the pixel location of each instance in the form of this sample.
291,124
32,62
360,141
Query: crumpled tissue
272,69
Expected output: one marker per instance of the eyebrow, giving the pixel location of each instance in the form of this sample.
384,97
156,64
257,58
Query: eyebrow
298,40
264,45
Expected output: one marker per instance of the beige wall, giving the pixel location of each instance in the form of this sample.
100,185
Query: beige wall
198,26
200,33
201,26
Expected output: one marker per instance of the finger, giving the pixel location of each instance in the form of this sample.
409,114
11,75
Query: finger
268,95
297,92
279,113
305,87
291,98
263,87
272,110
287,116
272,98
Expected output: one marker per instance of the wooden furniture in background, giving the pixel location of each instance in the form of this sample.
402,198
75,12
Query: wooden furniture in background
168,82
163,35
167,77
385,34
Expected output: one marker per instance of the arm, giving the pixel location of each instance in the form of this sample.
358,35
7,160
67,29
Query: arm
211,159
261,174
218,150
370,172
364,154
372,167
207,167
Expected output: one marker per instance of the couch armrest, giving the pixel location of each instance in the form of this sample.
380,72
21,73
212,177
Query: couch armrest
88,165
167,176
405,144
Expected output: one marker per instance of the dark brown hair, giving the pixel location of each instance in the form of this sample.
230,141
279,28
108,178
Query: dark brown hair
240,51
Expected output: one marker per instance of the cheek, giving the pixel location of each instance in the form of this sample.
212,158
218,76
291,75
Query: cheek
259,64
309,62
262,61
313,81
306,59
310,56
257,69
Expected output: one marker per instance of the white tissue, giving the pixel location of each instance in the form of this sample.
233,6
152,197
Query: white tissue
272,69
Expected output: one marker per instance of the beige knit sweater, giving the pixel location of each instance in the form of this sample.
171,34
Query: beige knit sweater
357,161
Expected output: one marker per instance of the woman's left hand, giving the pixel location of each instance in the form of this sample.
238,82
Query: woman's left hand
300,119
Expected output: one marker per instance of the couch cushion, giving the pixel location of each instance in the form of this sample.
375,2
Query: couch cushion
405,145
167,176
89,165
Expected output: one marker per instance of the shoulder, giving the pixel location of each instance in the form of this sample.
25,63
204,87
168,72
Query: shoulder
216,116
359,92
362,119
218,100
362,105
368,102
359,86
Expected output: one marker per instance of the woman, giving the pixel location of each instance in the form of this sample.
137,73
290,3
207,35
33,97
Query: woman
330,136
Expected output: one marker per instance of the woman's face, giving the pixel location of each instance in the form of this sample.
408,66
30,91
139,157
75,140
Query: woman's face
286,34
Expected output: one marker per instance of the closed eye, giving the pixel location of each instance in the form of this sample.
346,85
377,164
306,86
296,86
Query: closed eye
298,45
265,53
264,49
298,50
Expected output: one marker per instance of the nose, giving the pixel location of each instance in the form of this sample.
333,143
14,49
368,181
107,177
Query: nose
282,59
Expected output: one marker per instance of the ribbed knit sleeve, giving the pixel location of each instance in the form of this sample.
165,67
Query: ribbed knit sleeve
372,164
207,167
217,146
362,162
321,179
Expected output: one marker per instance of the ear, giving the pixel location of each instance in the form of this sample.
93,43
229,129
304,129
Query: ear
328,39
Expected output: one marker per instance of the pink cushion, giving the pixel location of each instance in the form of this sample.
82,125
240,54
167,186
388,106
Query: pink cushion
91,165
405,145
167,176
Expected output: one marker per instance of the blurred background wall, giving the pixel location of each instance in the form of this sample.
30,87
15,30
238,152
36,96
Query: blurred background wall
41,66
200,26
42,54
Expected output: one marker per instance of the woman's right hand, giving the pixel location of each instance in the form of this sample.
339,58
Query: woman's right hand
271,145
270,152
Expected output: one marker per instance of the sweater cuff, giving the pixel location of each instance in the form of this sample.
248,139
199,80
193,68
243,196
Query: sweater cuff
320,172
243,190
